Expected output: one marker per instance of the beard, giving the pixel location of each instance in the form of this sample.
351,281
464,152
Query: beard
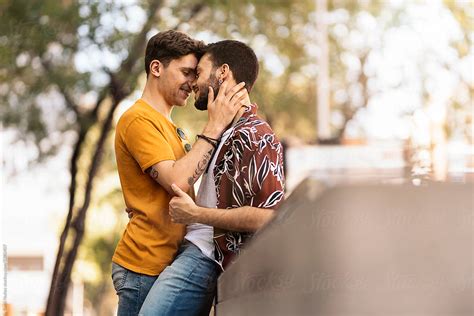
201,102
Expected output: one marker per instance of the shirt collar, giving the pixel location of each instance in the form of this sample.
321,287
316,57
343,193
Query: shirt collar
250,110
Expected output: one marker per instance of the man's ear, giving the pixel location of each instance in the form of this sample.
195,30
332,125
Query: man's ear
223,72
155,68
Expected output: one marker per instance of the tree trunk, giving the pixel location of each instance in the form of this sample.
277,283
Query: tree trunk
64,277
121,85
349,110
65,260
72,194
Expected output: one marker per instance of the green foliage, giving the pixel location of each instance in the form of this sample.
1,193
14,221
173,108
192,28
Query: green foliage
34,33
56,31
279,28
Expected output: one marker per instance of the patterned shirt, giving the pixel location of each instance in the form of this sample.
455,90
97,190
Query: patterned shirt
248,172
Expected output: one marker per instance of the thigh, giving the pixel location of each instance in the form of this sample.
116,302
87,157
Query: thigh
186,287
132,289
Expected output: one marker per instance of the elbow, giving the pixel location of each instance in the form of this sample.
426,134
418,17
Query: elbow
256,227
183,185
178,179
263,221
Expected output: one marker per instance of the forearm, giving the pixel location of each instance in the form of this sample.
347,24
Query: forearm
185,171
189,168
244,219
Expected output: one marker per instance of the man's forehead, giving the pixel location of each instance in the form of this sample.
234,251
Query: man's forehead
188,61
204,62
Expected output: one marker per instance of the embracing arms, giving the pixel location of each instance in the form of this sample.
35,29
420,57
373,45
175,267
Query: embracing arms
186,170
246,218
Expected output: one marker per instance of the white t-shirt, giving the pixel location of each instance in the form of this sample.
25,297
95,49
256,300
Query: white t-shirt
199,234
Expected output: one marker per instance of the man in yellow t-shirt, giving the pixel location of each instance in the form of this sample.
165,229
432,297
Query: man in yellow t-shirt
150,152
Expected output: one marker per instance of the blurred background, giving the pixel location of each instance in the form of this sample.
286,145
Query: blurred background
355,89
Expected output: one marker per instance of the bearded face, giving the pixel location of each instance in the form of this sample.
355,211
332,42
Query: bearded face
201,89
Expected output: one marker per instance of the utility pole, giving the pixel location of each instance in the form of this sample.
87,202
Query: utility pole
323,88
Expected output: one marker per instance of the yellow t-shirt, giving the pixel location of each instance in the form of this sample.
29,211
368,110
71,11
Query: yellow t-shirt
143,138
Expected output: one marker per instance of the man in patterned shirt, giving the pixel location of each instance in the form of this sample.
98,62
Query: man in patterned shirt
248,170
243,184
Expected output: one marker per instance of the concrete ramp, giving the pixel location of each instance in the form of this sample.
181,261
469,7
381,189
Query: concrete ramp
359,250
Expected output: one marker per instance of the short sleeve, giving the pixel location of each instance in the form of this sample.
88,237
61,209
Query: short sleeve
146,143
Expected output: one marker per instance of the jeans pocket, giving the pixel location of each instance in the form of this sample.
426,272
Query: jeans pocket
212,280
119,276
207,274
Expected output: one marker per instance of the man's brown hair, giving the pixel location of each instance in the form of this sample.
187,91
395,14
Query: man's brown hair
168,45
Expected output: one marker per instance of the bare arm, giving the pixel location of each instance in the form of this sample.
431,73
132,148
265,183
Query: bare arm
243,219
246,218
186,170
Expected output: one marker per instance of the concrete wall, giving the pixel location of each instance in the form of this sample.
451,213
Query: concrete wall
359,250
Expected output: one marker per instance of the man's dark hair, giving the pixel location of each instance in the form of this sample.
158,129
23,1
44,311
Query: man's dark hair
241,59
168,45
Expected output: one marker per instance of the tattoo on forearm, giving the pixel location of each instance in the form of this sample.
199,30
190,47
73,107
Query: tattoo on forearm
153,173
200,167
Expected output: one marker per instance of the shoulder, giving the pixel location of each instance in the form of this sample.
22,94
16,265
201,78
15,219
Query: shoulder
137,116
255,135
129,116
255,129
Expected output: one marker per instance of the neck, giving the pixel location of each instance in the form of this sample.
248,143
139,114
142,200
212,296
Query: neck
245,102
153,97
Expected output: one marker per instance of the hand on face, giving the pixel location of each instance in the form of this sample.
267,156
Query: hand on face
182,208
223,108
201,92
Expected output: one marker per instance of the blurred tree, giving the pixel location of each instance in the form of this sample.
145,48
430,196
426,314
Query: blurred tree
66,67
42,42
280,34
460,116
98,247
355,31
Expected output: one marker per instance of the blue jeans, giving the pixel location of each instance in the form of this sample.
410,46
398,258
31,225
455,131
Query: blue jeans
186,287
132,289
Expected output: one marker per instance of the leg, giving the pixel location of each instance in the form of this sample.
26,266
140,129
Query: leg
132,289
186,287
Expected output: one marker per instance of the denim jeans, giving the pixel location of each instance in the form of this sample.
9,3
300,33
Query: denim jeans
132,289
186,287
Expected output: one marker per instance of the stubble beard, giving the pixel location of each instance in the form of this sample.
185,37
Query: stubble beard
201,102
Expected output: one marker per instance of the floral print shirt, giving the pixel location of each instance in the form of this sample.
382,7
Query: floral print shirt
248,172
